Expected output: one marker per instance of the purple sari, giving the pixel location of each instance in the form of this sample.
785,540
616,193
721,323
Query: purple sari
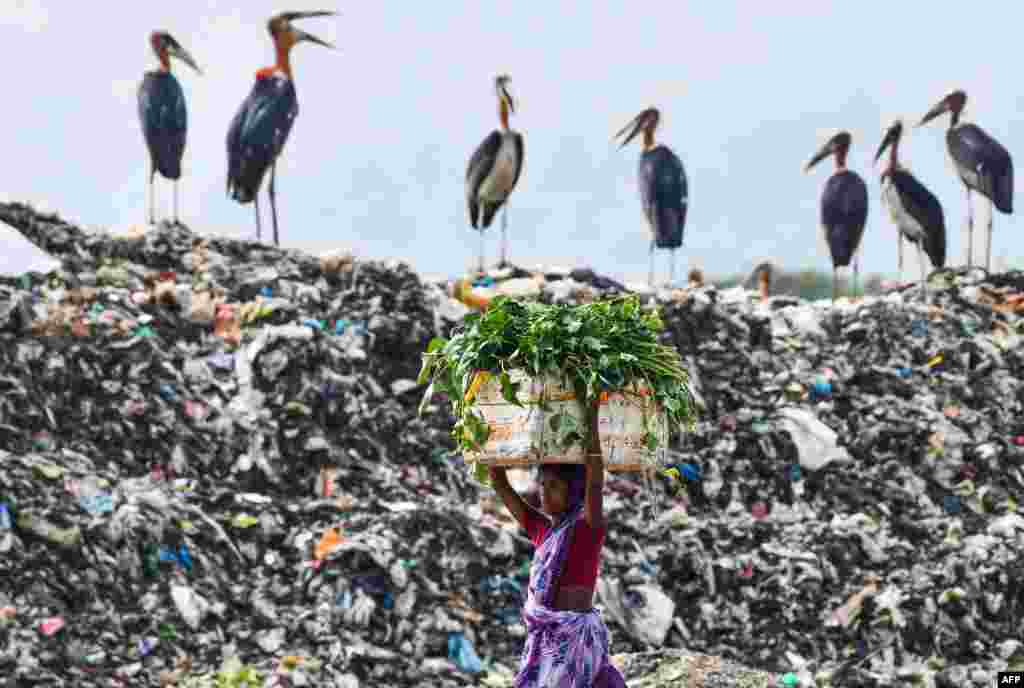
564,649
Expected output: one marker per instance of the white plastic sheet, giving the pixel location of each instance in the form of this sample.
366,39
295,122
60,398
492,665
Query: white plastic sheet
816,443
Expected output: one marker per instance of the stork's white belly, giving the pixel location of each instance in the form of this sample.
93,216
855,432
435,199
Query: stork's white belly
970,177
906,223
497,185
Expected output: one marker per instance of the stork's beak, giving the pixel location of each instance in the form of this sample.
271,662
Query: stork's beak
183,55
940,107
890,138
826,150
637,125
508,98
301,35
292,16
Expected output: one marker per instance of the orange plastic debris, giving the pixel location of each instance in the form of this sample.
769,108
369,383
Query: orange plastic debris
463,292
331,539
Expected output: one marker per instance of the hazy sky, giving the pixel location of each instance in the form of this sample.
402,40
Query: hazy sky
376,160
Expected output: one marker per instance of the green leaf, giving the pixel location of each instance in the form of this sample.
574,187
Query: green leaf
425,369
481,474
651,440
478,429
510,390
425,401
435,344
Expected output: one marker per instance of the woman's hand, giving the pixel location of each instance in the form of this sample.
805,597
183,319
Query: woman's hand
513,502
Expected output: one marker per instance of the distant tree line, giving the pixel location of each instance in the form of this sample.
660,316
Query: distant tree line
806,284
816,284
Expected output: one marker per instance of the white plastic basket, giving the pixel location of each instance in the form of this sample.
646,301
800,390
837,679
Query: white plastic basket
527,436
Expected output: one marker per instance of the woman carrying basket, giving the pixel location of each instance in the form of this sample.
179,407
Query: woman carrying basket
567,642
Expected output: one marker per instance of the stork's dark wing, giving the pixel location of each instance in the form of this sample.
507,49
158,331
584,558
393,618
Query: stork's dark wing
844,212
164,120
258,133
978,154
481,162
520,156
922,205
480,165
663,193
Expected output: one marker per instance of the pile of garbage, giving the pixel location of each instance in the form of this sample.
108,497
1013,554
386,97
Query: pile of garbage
212,469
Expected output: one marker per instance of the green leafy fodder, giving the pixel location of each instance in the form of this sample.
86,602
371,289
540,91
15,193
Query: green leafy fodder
605,346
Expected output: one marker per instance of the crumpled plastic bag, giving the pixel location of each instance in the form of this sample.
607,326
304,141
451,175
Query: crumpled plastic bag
643,610
461,651
816,443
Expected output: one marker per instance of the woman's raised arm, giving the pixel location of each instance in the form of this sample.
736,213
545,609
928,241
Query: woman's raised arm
593,508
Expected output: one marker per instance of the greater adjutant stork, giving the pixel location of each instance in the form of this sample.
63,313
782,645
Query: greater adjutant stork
663,188
982,164
164,116
494,168
844,206
260,129
914,209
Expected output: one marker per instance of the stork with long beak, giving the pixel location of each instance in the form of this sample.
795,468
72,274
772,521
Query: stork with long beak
915,211
260,129
494,169
163,116
844,207
982,164
663,188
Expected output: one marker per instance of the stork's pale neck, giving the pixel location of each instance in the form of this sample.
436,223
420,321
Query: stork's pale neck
503,113
165,60
648,139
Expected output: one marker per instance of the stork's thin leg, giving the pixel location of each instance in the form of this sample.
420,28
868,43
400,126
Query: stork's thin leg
924,288
256,202
273,203
504,236
176,221
835,284
152,196
672,269
650,270
483,269
988,244
856,272
899,254
970,229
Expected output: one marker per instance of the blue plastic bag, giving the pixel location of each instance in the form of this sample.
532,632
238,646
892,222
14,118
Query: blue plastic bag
462,653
